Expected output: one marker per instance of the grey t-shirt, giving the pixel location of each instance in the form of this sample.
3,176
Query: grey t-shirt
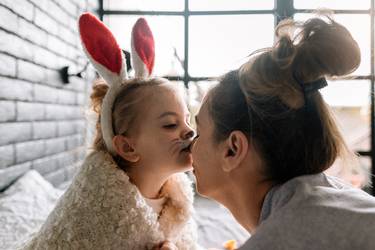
315,212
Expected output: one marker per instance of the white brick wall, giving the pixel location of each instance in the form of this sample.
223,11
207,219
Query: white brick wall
8,65
7,111
44,130
12,132
42,121
30,150
6,156
13,89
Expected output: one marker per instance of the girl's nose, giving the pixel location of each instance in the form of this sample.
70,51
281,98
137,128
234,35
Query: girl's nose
188,134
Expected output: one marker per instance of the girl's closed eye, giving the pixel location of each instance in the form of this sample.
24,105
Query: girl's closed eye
170,126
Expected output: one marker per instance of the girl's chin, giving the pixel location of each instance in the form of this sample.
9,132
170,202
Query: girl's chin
186,164
189,168
182,168
186,168
186,158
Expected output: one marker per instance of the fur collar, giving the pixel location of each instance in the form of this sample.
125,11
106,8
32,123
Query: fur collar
102,209
177,210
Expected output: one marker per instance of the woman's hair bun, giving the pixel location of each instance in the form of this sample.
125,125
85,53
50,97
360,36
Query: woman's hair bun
325,48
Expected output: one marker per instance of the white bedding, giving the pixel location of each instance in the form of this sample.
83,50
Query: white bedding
216,225
26,204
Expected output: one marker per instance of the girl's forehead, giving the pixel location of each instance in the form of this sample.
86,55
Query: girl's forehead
164,93
166,99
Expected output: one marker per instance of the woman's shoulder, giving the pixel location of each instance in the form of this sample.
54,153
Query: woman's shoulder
319,189
317,208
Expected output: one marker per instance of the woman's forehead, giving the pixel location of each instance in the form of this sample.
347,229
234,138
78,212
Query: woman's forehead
202,115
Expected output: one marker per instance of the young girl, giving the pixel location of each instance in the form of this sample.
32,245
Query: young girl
130,192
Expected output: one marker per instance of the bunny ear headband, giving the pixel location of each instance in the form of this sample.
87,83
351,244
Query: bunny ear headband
106,56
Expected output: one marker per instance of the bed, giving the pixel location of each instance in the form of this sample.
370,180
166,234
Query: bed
27,201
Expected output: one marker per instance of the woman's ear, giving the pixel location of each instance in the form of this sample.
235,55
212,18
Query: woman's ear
125,148
235,147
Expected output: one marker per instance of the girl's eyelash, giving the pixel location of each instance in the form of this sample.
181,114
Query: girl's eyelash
170,126
173,125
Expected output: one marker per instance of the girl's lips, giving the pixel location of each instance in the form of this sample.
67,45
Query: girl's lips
186,146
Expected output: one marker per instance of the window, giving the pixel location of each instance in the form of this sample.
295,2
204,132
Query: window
197,40
216,45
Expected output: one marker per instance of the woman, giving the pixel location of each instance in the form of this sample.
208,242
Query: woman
265,136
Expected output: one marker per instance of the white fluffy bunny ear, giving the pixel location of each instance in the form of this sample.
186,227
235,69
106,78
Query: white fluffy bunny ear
102,49
105,54
143,49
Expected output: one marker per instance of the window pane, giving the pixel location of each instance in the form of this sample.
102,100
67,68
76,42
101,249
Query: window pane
332,4
358,174
365,167
145,5
230,5
350,101
221,43
347,93
359,26
168,34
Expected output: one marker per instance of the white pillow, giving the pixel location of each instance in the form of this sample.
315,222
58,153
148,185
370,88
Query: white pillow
24,206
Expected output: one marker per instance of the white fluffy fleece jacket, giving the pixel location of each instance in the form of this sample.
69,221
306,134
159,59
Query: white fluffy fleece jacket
102,209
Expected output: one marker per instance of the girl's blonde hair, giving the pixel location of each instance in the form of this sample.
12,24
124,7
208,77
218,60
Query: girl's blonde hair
294,131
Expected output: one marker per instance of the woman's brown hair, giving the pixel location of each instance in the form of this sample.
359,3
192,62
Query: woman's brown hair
293,130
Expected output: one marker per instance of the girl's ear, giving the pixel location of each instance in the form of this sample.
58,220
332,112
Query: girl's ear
143,48
235,149
125,148
102,49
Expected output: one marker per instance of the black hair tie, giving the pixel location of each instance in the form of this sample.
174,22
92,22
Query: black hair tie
310,87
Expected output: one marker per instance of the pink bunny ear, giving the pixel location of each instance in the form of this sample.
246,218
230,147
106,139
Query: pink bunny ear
101,48
143,48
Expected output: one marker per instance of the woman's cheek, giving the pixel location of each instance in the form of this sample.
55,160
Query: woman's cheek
197,155
194,151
